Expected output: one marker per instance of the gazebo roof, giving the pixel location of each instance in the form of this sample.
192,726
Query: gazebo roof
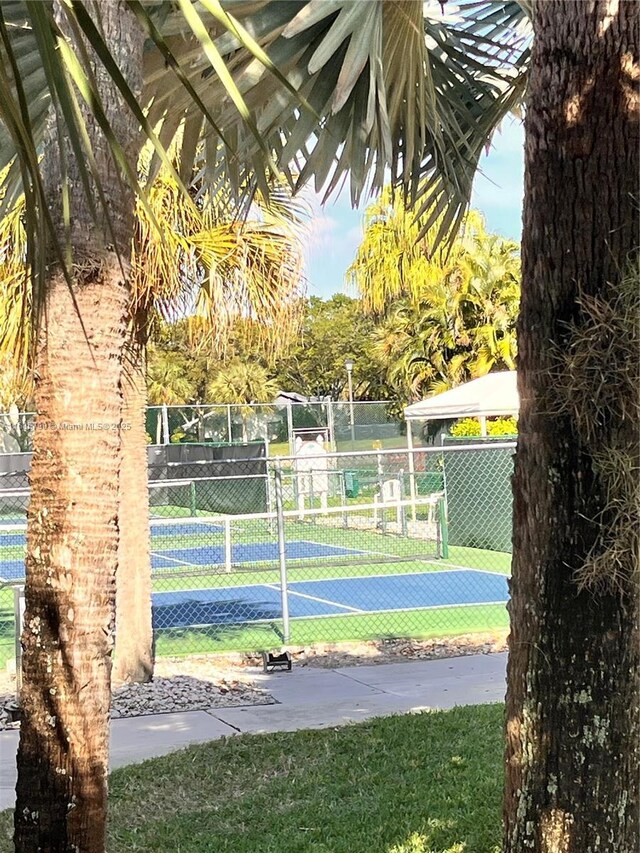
489,396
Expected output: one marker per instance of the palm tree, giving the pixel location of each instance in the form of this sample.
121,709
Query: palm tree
221,269
168,382
573,697
217,267
444,318
239,384
72,537
378,97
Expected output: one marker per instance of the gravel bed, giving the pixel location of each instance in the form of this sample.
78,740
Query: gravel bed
202,688
183,693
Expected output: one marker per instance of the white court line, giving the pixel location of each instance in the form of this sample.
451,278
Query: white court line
348,577
315,598
452,571
363,551
171,560
166,529
410,609
261,560
456,568
329,545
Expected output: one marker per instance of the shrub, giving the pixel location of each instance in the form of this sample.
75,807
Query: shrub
495,427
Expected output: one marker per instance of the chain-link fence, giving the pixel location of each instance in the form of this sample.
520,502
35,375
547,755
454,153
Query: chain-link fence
358,425
249,553
342,425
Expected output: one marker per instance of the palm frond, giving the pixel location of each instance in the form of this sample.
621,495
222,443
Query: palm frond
480,68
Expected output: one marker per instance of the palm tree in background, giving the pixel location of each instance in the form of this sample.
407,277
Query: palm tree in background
167,381
445,317
239,384
218,269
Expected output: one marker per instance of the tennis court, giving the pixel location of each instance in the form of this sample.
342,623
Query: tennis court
226,573
232,544
328,597
379,563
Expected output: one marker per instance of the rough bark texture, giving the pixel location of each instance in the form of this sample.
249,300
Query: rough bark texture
72,522
133,658
572,726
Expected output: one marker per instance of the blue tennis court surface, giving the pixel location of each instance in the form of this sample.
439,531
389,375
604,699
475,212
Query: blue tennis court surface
205,555
188,528
334,597
257,552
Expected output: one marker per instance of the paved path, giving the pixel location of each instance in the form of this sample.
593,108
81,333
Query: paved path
307,698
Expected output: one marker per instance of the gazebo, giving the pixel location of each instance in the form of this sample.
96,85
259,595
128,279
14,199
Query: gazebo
487,397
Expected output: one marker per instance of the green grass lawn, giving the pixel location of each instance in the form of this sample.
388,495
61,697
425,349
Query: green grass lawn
419,783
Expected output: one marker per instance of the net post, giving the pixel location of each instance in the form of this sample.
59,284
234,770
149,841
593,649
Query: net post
228,554
282,558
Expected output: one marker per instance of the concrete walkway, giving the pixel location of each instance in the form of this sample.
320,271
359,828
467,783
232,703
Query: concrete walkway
307,698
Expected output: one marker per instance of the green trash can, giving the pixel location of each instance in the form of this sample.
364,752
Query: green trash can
351,484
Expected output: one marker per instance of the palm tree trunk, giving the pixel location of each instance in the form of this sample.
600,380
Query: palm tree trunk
133,656
573,701
72,523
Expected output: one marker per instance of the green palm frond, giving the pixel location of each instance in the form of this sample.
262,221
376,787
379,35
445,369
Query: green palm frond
241,383
167,380
219,268
481,68
15,298
328,90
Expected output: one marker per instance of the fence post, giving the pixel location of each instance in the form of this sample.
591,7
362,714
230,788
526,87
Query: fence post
383,520
312,497
229,422
282,557
443,530
165,424
292,447
343,498
412,470
228,553
402,510
331,425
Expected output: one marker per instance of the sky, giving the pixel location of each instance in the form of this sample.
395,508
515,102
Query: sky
336,229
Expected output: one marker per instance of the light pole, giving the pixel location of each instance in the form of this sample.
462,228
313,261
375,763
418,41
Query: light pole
349,362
